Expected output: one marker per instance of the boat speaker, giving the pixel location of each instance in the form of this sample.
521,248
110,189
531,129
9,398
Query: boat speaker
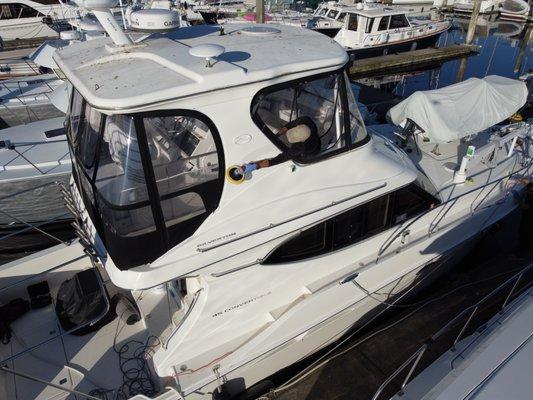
235,174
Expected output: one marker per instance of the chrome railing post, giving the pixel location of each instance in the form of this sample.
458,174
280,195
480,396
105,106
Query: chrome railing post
464,327
408,376
511,291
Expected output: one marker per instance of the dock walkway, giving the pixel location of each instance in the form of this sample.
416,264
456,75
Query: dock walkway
411,59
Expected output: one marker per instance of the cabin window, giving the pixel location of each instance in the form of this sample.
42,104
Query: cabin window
88,134
342,17
411,201
383,23
75,113
309,243
147,180
398,21
323,12
333,14
15,10
322,112
369,25
354,225
352,22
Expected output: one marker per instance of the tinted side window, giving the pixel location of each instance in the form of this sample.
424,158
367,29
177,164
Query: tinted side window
355,225
348,227
311,242
410,201
383,23
398,21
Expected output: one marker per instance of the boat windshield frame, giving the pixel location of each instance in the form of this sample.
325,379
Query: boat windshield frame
348,109
164,193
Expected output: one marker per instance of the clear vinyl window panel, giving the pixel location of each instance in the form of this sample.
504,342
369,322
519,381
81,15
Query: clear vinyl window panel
320,105
183,152
120,176
148,180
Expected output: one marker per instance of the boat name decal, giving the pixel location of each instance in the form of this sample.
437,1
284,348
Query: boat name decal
239,305
217,239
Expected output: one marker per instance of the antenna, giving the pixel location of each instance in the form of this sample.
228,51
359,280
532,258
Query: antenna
102,11
155,20
207,51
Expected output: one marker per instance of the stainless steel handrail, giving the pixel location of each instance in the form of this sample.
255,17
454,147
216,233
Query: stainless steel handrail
390,241
470,311
178,326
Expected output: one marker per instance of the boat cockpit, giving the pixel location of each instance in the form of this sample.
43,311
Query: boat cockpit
149,180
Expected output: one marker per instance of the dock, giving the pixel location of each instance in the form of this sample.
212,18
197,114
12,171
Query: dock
412,59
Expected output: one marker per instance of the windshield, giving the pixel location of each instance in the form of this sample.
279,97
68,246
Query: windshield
325,104
148,181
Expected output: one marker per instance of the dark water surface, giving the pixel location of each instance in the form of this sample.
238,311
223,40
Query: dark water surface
499,54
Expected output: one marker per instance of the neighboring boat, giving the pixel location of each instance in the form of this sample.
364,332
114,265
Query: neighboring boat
374,29
30,19
240,274
515,10
494,362
328,18
508,29
487,6
33,157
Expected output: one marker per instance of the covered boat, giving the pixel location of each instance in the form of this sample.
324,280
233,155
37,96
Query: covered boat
514,9
462,109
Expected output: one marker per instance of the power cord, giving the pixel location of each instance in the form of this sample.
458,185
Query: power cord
136,373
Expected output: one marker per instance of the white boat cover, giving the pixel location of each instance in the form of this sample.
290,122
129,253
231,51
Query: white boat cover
461,109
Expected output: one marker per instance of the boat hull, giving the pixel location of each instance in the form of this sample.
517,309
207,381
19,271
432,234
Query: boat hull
361,311
39,200
404,46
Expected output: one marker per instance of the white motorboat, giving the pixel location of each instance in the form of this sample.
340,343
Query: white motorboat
487,6
493,362
374,29
240,272
515,10
29,19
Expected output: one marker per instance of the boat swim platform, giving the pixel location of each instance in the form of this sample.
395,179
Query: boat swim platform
412,59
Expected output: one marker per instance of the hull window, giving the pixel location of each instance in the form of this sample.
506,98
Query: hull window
354,225
310,119
148,180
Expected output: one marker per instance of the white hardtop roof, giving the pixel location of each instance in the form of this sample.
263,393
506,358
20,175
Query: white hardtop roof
160,68
461,109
